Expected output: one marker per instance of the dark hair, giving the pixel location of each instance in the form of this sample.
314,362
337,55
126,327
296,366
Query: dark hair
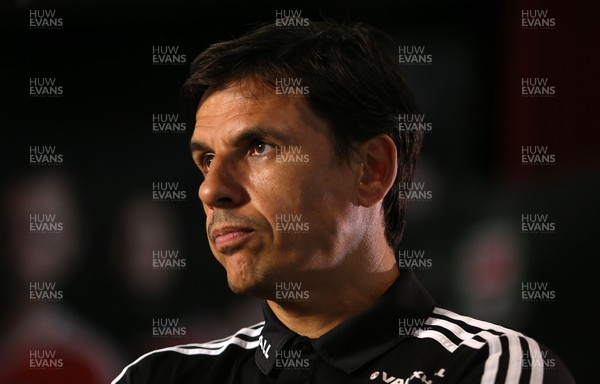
355,85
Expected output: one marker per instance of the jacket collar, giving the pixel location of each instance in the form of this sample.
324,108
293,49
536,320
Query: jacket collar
362,337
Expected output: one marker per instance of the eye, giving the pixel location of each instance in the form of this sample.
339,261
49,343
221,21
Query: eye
205,161
260,148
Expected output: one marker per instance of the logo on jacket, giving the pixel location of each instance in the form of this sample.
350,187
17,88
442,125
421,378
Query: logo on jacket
264,346
417,376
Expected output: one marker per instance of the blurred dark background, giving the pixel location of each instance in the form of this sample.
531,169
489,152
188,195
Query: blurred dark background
102,125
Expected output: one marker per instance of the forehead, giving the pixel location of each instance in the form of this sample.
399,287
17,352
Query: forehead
245,103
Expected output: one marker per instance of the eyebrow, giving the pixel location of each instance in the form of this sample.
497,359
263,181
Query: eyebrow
197,146
246,134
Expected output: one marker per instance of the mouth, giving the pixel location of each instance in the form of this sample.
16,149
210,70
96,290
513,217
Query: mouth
230,236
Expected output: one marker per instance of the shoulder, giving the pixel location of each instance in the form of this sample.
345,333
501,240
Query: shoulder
162,365
493,352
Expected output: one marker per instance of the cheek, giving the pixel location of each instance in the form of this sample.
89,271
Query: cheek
319,193
272,190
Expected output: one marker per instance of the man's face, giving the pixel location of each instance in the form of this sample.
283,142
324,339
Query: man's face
280,206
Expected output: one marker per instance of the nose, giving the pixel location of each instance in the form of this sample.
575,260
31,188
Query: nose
221,187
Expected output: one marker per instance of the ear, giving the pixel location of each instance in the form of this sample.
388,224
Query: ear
379,168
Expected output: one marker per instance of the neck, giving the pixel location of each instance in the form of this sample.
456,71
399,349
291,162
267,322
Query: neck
337,295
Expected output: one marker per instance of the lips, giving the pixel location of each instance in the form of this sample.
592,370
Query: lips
229,236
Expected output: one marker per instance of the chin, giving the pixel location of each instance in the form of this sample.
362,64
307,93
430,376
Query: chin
242,286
